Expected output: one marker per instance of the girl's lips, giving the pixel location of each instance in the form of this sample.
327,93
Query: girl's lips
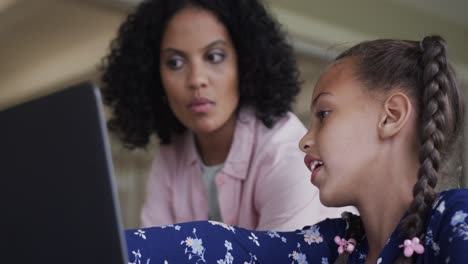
309,160
201,105
314,165
313,176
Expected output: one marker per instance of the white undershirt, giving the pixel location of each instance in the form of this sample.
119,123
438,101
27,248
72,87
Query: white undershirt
208,175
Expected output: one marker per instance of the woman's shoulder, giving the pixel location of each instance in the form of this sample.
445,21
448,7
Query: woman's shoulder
279,143
287,128
182,147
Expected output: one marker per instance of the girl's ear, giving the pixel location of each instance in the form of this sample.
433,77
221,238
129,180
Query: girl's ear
396,112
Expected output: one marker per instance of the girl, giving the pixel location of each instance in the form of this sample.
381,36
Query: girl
385,114
215,80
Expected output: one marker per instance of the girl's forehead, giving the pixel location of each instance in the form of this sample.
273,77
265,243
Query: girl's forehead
335,76
341,84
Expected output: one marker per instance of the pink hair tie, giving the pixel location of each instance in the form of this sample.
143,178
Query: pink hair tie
412,246
345,245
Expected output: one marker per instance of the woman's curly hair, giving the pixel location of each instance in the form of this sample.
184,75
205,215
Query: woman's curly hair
131,83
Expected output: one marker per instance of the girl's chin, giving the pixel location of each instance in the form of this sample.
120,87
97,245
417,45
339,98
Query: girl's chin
331,199
327,203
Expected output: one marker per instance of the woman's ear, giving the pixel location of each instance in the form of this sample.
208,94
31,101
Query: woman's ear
396,112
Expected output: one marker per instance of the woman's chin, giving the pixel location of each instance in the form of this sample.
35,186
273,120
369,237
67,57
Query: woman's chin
204,127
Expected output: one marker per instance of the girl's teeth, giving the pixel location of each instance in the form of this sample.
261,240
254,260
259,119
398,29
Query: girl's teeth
314,164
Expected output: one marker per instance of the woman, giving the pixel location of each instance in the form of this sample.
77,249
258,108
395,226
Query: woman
215,81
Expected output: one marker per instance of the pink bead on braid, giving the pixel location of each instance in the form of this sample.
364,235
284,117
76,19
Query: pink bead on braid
411,246
345,245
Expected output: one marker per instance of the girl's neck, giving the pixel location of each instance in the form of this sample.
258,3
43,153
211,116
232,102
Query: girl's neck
214,147
380,226
383,204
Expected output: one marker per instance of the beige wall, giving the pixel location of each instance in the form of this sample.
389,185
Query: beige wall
46,44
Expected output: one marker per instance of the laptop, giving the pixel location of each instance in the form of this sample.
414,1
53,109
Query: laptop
58,194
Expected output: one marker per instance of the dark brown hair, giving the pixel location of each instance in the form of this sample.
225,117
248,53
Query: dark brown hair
422,71
131,81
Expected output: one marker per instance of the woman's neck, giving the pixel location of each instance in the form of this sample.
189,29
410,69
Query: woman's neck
214,147
383,204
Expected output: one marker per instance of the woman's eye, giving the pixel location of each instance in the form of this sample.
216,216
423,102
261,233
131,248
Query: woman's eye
215,57
175,63
321,115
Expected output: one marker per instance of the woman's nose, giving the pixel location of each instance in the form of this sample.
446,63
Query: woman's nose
197,77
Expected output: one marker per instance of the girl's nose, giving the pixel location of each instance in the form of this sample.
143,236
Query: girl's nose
307,142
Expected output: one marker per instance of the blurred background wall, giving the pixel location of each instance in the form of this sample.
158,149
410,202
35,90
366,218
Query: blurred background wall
46,45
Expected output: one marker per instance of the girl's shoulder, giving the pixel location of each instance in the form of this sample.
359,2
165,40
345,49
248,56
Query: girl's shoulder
449,210
446,236
452,198
447,204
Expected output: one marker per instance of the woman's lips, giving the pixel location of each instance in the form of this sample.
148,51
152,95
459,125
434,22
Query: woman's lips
201,105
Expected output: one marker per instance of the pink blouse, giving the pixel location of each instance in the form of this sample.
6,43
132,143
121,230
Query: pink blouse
264,184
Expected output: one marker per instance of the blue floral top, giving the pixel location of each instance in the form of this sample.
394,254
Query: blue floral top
445,240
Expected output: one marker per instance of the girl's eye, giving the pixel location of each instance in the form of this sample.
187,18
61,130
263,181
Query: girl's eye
321,115
216,57
175,63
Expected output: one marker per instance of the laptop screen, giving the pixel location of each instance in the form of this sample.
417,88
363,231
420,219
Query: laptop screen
57,193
